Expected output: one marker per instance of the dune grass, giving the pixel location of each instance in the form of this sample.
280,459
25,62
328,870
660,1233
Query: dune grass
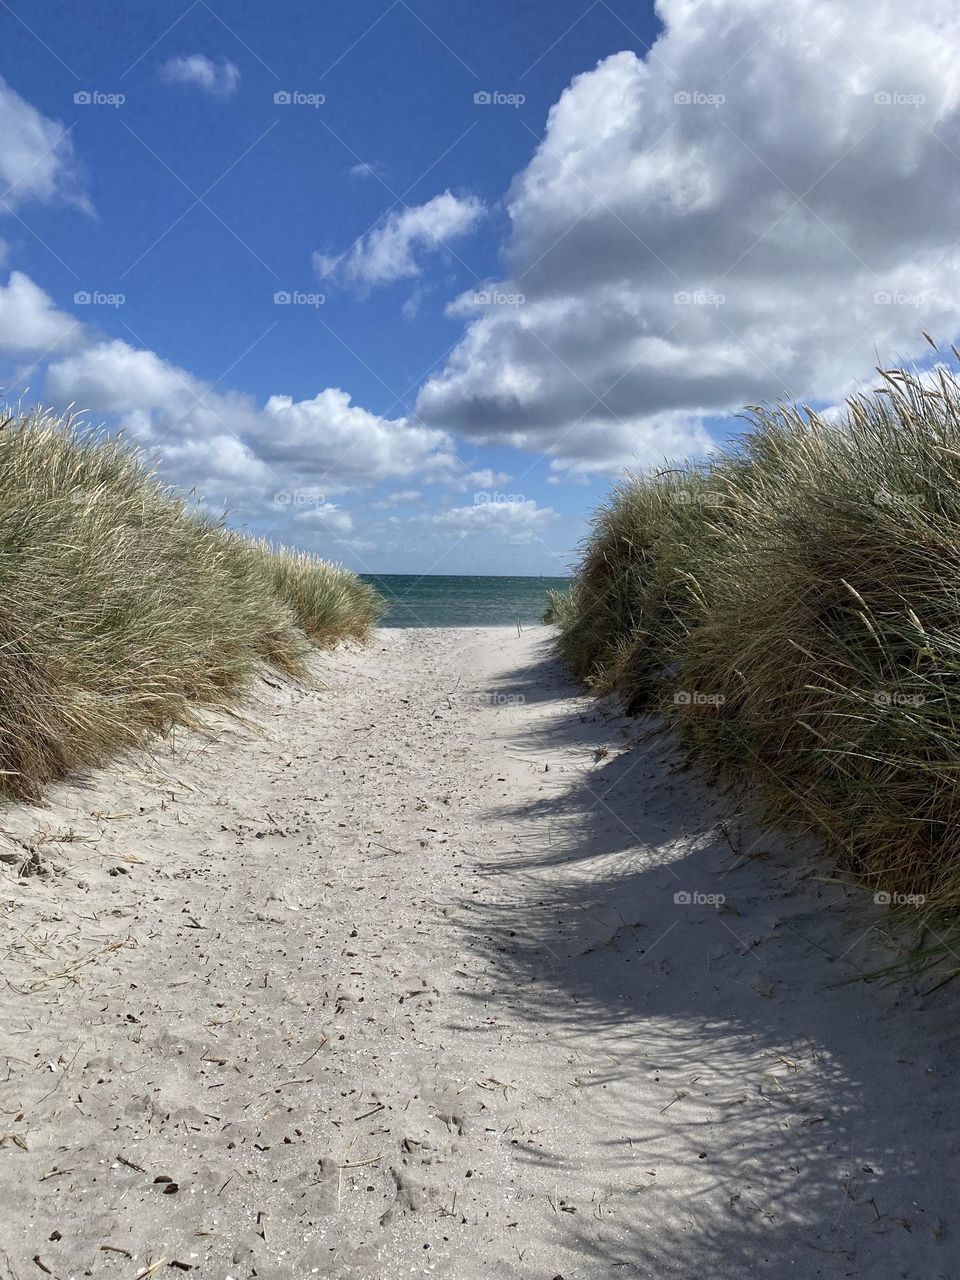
328,603
792,608
123,610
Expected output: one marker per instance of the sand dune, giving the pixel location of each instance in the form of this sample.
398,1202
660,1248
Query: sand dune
431,969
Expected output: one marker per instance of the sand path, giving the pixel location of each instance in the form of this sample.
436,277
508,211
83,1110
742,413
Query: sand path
395,982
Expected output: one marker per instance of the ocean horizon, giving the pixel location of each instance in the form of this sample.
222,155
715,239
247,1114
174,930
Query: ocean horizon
459,600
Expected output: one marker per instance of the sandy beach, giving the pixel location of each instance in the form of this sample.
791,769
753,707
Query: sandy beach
433,967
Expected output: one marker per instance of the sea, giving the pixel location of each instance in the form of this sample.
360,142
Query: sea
441,600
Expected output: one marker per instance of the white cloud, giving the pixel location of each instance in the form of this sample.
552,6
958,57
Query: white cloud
392,251
398,498
517,521
485,478
679,256
411,305
37,161
330,435
217,78
233,450
329,515
29,320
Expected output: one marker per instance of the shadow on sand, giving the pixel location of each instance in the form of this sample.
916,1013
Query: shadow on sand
758,1113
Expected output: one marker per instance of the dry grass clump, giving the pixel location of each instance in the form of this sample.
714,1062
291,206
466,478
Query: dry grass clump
122,609
799,622
329,604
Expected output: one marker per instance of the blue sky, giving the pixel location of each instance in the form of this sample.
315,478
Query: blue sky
418,332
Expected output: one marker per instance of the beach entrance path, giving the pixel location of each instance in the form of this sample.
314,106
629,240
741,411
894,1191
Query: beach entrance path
436,969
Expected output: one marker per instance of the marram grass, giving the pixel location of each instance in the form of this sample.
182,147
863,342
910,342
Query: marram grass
122,610
792,607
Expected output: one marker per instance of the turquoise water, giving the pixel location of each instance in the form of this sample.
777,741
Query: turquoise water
452,601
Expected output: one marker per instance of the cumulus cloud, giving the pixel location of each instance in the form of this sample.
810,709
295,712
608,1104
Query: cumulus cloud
519,520
29,320
341,439
217,78
754,209
37,160
394,250
231,449
485,478
329,515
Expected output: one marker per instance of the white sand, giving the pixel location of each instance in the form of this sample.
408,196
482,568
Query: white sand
395,984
